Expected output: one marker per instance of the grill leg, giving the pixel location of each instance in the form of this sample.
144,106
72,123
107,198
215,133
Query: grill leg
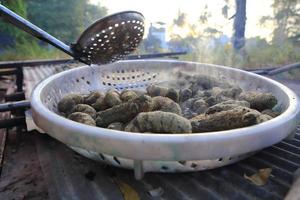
19,79
138,169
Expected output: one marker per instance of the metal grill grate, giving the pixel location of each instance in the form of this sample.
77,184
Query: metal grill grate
65,172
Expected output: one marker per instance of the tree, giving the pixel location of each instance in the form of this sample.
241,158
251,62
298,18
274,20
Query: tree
205,15
64,19
93,12
178,43
8,31
152,44
286,20
238,39
182,28
184,34
207,31
180,20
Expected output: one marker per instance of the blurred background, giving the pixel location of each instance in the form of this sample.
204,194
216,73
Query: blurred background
245,34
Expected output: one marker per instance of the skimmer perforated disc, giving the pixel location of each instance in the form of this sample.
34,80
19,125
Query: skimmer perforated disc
110,38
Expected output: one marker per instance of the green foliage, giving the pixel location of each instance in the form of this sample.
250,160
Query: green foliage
20,8
205,15
293,74
30,50
64,20
212,31
150,45
180,20
188,43
204,44
272,55
93,13
259,53
286,19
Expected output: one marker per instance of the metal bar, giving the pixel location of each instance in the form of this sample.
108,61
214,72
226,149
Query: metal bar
3,136
288,147
251,169
294,157
64,173
274,70
284,68
9,123
34,63
259,71
155,55
277,161
35,31
293,142
8,72
14,106
258,163
19,80
18,96
211,182
235,178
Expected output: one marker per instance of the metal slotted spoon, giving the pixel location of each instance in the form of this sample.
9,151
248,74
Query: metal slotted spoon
107,40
